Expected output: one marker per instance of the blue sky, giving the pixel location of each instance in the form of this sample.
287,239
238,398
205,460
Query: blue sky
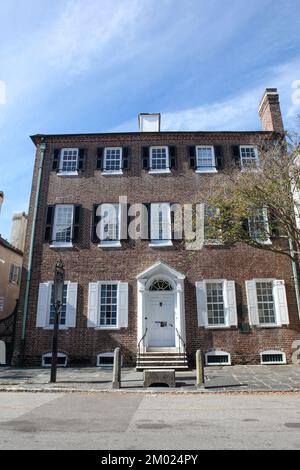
93,65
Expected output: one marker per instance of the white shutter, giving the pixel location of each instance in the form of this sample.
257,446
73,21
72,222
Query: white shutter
230,303
43,305
71,304
93,305
201,303
123,304
155,209
252,302
281,308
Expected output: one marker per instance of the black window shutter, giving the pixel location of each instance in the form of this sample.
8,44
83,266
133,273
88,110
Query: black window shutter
219,157
172,157
49,223
126,158
145,158
99,163
81,158
95,221
192,156
245,226
56,159
76,223
236,155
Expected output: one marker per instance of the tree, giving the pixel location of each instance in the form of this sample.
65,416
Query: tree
260,202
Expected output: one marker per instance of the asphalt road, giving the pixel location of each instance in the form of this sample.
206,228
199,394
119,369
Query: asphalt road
135,421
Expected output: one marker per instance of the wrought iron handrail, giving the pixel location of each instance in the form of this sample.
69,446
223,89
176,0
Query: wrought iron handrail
140,341
180,340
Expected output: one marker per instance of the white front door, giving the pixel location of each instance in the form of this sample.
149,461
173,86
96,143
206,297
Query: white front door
160,319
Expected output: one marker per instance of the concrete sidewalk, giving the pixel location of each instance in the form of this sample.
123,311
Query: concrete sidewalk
217,379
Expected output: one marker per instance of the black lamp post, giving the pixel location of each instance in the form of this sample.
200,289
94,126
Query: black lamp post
57,299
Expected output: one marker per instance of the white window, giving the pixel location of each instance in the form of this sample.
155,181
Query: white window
69,161
217,358
267,304
161,229
45,310
249,155
15,274
110,225
216,303
112,160
105,360
63,225
108,305
259,226
206,162
62,360
159,160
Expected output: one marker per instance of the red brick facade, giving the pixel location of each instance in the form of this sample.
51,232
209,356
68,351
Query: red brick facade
86,262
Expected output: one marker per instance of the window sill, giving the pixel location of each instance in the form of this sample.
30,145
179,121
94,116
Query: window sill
208,171
159,172
61,245
67,173
110,245
273,325
160,244
107,328
219,327
112,173
52,327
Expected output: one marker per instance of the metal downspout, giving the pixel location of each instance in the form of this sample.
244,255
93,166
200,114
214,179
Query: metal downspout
30,255
295,277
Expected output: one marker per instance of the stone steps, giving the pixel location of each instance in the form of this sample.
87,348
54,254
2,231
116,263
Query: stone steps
161,360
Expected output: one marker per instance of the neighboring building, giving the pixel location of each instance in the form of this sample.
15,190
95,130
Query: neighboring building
237,304
10,277
18,230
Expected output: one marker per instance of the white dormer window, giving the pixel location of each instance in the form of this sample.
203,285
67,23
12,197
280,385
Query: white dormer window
206,162
112,160
249,155
69,161
159,160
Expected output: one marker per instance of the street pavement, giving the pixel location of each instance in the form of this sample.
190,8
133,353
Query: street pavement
155,422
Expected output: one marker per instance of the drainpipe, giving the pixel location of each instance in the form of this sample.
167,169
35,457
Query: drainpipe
30,255
295,276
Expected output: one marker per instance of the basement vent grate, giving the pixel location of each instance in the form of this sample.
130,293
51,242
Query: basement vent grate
61,360
217,358
275,357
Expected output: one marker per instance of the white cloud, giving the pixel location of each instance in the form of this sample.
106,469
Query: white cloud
2,92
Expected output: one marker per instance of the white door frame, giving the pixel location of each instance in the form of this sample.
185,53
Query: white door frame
160,270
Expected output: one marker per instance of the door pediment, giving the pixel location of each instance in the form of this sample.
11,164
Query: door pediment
160,268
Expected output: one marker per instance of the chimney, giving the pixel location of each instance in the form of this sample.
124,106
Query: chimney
18,230
1,199
269,111
149,122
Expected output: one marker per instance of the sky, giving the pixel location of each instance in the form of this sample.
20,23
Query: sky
75,66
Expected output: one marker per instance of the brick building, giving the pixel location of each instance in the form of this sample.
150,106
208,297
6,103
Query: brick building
234,303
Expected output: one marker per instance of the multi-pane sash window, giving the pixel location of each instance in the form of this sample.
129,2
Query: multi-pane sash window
69,161
161,223
63,310
15,274
215,303
259,227
265,302
108,305
159,158
205,158
113,159
63,223
249,156
110,223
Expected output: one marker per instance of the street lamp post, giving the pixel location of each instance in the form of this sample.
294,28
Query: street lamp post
57,299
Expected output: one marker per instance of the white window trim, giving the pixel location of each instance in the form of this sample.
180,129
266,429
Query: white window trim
161,243
56,244
225,325
266,222
218,353
58,355
108,327
112,243
256,156
272,351
213,169
67,173
162,171
112,172
267,325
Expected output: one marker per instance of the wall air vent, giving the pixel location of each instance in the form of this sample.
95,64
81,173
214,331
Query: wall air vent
217,358
62,360
272,357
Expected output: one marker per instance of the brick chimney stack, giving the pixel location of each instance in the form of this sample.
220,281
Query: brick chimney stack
270,112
